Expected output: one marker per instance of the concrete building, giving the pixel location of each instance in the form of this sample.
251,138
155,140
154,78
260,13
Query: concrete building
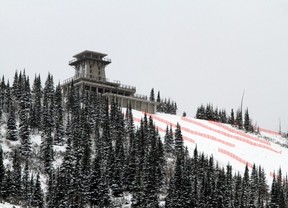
90,76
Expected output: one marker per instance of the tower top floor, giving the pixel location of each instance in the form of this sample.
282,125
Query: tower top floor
89,55
90,64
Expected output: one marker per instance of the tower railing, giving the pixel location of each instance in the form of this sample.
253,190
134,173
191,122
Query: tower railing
90,57
115,83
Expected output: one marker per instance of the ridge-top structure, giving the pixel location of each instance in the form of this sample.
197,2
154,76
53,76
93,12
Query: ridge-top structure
90,76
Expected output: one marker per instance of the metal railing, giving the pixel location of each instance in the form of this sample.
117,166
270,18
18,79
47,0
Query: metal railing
90,57
143,97
104,80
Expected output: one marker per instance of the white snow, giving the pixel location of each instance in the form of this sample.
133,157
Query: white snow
7,205
227,144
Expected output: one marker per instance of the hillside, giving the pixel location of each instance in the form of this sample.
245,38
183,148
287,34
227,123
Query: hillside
228,144
82,150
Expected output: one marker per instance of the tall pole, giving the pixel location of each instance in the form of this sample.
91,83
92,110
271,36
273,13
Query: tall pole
242,101
280,125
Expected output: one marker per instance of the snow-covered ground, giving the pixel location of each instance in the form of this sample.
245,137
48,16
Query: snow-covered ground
227,144
7,205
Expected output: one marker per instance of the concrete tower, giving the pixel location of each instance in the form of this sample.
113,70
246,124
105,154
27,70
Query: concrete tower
90,77
90,64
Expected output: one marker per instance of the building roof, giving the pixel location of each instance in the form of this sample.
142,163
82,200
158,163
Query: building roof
79,55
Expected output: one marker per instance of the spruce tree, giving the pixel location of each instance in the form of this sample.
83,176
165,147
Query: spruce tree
16,187
169,142
7,98
245,188
231,120
25,148
46,150
173,199
8,187
59,129
26,186
239,119
247,125
149,175
2,97
11,125
152,95
36,117
2,174
95,180
38,196
179,148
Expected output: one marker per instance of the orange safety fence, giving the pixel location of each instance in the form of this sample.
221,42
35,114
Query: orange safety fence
245,140
188,139
234,136
269,131
240,133
232,155
207,136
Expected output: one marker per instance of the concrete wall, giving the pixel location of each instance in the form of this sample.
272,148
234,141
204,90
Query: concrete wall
136,103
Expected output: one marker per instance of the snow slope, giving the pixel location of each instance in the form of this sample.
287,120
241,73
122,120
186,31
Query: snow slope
7,205
227,144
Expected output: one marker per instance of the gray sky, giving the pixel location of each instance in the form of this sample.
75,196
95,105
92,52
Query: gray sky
196,52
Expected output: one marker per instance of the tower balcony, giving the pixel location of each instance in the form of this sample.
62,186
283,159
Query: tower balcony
112,84
89,57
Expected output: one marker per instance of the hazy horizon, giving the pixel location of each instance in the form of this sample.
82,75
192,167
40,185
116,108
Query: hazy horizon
195,52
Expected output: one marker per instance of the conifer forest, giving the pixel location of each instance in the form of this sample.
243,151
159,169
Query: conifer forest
92,154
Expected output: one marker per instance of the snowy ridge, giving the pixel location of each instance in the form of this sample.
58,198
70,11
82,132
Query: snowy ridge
226,143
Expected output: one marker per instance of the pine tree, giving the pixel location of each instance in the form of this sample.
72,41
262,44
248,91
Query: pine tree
36,117
245,189
50,194
11,125
149,175
253,187
158,100
169,141
15,86
2,96
26,186
187,182
38,196
95,180
237,190
65,174
59,129
200,114
48,105
131,168
274,193
16,187
231,120
179,148
152,95
173,199
7,186
239,119
47,154
25,148
2,174
262,188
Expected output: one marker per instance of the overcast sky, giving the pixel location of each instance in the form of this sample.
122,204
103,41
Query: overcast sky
195,52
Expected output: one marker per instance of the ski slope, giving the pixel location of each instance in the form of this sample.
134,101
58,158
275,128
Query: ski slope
226,143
